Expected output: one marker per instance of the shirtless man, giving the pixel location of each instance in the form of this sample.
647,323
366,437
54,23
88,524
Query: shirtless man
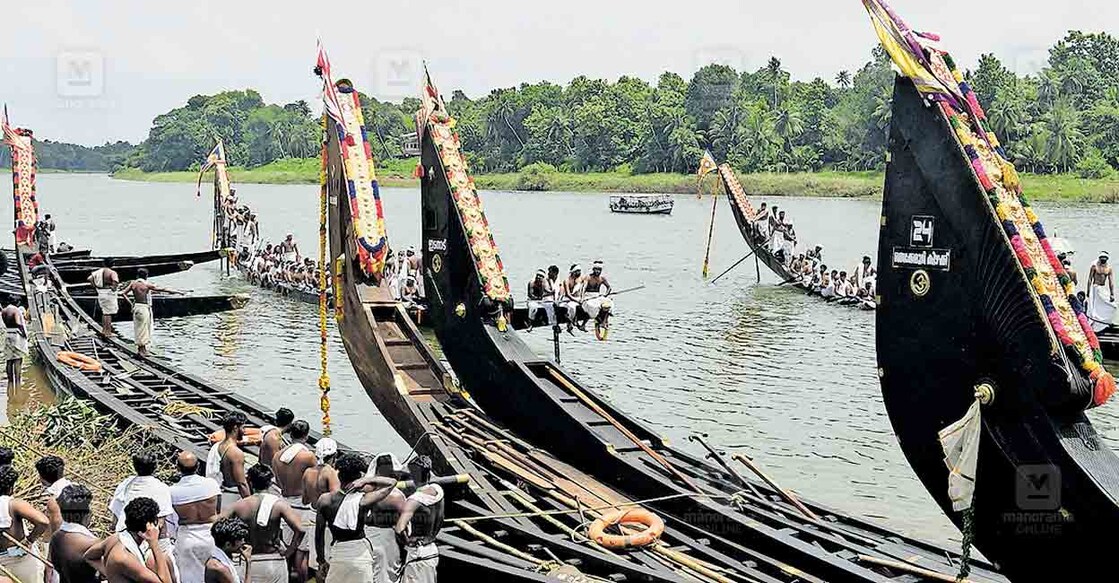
761,219
570,293
120,557
73,537
229,535
142,320
289,465
289,250
1100,274
264,512
272,437
51,470
381,520
195,499
13,513
105,281
864,272
226,462
418,525
1067,263
541,299
595,291
345,513
15,345
319,480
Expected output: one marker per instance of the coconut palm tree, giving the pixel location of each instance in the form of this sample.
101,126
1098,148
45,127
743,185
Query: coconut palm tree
1065,140
774,70
843,79
787,124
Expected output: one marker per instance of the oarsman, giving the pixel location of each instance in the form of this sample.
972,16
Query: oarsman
864,272
570,293
552,282
105,281
415,268
225,463
344,512
789,242
410,292
142,320
263,512
319,480
761,219
230,535
64,247
828,281
774,222
195,500
134,555
595,291
145,485
1067,263
540,300
73,537
865,293
381,520
289,250
289,465
272,437
50,227
815,255
52,470
43,237
797,264
14,513
418,525
15,344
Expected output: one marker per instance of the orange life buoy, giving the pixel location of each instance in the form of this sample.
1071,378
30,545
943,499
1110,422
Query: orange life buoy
654,528
252,436
79,361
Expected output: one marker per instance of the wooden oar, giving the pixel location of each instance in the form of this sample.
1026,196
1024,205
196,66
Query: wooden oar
736,264
627,290
711,453
27,549
787,495
710,234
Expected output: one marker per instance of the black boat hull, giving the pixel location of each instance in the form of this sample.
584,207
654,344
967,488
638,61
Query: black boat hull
170,306
119,261
79,274
1047,484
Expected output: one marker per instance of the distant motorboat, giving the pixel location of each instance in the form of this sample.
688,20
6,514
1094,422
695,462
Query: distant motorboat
659,204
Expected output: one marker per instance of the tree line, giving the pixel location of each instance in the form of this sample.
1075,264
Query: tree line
1063,118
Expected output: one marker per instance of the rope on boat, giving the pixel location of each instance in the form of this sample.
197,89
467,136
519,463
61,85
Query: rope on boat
324,376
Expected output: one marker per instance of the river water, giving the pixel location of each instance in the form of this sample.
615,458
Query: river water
761,369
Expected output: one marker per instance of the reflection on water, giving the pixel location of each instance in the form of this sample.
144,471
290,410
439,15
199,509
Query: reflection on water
762,369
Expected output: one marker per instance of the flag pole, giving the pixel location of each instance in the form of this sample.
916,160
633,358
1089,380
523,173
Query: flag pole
710,233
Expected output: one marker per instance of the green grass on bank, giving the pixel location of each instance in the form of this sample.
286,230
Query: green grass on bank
1058,187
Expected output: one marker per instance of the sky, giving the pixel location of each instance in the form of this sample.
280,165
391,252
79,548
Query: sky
91,71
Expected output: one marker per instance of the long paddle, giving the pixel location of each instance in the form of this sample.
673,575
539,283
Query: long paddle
710,234
736,264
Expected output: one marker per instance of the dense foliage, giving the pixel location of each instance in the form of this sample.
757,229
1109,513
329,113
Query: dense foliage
1063,118
63,156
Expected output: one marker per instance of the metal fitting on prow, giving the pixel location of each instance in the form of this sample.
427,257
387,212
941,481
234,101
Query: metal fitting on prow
985,393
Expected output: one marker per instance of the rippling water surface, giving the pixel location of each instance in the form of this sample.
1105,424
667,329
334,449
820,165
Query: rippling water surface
761,369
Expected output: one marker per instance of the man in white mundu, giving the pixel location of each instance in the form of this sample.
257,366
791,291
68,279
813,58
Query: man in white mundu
289,464
1101,293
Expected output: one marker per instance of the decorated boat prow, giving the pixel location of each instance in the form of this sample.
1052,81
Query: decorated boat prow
24,168
987,361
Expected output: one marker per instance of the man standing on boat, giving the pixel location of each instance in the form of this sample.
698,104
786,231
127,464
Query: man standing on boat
263,512
14,512
865,273
761,220
570,293
273,437
15,344
1101,301
289,250
541,299
73,538
595,291
344,512
289,465
225,463
142,320
105,281
195,500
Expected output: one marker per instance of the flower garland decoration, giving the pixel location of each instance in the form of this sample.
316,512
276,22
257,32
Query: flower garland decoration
938,78
361,183
487,260
24,169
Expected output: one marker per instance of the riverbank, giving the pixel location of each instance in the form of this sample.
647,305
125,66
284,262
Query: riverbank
398,173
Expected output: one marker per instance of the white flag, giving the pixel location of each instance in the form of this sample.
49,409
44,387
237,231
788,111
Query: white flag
960,442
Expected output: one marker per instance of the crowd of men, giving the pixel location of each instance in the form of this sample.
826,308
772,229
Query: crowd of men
241,227
547,292
298,514
808,269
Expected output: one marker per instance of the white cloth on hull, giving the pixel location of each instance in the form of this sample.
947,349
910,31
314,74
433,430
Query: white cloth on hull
960,442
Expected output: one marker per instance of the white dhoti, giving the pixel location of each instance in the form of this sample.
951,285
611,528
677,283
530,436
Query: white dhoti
306,520
593,305
352,562
143,323
168,547
268,568
422,565
15,345
107,301
1100,308
229,497
572,309
288,257
386,553
194,545
548,306
23,566
828,292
